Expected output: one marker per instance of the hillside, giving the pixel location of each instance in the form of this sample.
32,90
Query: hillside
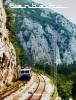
45,34
7,53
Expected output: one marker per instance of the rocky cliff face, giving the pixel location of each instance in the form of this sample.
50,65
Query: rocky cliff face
7,52
46,35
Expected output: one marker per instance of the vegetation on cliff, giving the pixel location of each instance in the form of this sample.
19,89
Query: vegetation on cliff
20,53
66,78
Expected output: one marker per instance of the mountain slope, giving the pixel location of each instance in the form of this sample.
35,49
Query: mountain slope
46,35
7,53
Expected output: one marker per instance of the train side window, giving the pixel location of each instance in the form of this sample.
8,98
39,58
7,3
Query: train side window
26,71
22,71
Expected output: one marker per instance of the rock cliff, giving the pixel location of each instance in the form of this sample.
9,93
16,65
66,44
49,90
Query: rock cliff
45,35
7,52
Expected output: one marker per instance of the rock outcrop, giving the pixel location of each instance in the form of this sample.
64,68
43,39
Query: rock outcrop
45,35
7,52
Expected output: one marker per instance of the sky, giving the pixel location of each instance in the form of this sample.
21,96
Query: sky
69,12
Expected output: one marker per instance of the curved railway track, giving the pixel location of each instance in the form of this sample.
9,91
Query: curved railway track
35,95
11,90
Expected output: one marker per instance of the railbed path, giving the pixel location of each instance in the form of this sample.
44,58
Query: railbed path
38,88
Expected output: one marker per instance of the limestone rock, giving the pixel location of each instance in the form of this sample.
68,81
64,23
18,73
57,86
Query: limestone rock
7,52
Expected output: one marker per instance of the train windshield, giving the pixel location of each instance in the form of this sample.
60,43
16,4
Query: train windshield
22,72
27,71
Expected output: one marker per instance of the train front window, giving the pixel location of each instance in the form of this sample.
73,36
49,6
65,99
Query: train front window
26,71
22,72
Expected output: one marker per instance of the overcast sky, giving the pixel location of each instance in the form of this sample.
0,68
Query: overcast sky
69,12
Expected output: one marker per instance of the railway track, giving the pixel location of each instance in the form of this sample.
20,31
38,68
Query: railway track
36,94
11,90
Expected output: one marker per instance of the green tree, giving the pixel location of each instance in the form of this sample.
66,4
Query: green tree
65,87
10,20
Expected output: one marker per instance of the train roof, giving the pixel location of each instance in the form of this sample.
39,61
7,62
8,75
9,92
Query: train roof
25,69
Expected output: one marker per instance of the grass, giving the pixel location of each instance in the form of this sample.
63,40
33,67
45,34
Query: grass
40,71
8,86
20,89
35,77
30,92
3,89
51,81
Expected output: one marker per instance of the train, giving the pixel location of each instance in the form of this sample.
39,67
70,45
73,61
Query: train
25,72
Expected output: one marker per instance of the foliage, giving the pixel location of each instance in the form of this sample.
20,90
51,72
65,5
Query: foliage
66,73
21,2
10,18
44,67
67,69
67,80
20,54
64,87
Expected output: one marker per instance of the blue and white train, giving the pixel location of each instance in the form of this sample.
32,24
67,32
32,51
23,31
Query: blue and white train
26,72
